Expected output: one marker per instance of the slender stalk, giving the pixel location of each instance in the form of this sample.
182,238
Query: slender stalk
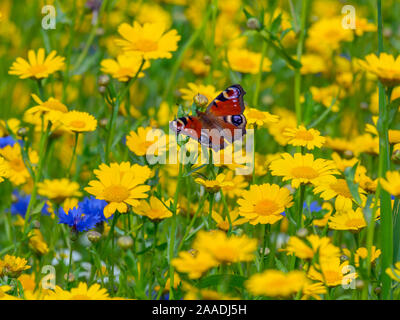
69,265
259,74
73,155
299,52
386,232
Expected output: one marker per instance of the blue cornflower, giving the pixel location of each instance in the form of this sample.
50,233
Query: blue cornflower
7,141
21,203
77,220
93,206
314,206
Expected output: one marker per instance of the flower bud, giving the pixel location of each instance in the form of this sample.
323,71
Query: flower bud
93,236
125,242
103,80
364,106
348,154
74,234
36,224
378,290
396,156
301,233
103,122
359,284
200,100
387,32
70,278
102,89
253,24
22,132
207,60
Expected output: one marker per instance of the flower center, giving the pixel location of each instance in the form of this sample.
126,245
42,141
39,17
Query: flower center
266,207
226,253
245,63
146,45
355,223
304,172
77,124
80,297
304,135
331,276
116,193
39,68
341,188
17,165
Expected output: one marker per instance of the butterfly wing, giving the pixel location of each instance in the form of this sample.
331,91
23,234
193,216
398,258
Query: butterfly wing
228,102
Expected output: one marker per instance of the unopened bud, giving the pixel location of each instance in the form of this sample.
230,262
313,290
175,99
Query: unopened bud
359,284
253,24
70,277
302,232
14,198
36,224
103,122
200,100
268,99
103,80
348,154
102,89
125,242
207,59
93,236
364,105
378,290
22,132
387,32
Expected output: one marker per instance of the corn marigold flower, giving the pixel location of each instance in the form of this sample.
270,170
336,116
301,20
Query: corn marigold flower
154,209
125,67
223,222
13,266
14,165
362,253
193,89
312,64
324,221
338,189
37,243
264,203
52,107
259,118
394,272
352,220
148,40
77,121
313,290
385,67
332,273
120,185
215,185
301,136
3,169
146,141
239,184
82,292
302,169
312,246
326,95
58,189
194,264
6,288
246,61
287,119
275,283
392,183
37,66
224,249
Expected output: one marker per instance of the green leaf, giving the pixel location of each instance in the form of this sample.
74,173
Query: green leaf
280,265
276,24
247,14
353,187
232,281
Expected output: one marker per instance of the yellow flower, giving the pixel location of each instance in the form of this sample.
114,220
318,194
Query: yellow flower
82,292
259,118
53,108
336,188
385,67
224,249
348,220
37,243
150,13
246,61
37,66
77,121
326,96
12,266
3,169
223,222
194,264
394,273
301,136
149,40
125,67
193,89
139,142
302,169
120,185
392,183
287,119
4,295
314,245
215,185
154,209
264,203
192,293
324,221
362,25
332,273
312,63
313,290
239,184
59,189
14,165
275,283
362,253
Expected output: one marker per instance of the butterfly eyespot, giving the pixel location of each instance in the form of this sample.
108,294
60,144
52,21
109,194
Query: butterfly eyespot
237,120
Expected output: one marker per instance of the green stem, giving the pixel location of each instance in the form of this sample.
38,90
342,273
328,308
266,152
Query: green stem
386,232
69,265
73,155
259,74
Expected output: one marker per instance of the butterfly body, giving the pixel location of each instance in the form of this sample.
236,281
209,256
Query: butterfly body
222,120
